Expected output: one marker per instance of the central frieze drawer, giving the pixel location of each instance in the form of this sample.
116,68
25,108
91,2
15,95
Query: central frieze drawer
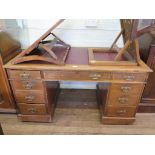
32,109
24,75
76,75
29,97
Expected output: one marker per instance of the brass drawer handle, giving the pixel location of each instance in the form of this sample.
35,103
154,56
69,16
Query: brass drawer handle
29,98
125,89
129,78
121,112
24,75
28,86
95,76
123,100
32,110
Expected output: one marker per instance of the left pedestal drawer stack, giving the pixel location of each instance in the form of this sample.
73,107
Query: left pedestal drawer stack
35,98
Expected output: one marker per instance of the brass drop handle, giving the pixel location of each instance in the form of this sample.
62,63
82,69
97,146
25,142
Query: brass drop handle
24,75
95,76
32,110
123,100
29,98
129,77
28,86
121,112
125,89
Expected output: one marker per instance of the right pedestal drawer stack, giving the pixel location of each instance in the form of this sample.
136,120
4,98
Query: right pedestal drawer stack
121,98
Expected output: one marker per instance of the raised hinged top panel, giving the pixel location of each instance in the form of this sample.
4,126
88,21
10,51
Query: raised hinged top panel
81,59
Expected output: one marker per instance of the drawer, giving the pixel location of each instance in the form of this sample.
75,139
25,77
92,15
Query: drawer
126,88
32,109
125,94
29,97
77,75
27,85
24,75
130,77
120,111
118,100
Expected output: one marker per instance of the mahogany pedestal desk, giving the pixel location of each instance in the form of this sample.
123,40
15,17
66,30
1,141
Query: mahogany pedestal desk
36,85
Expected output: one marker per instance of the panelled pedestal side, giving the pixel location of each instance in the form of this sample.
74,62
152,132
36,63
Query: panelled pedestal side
35,99
118,101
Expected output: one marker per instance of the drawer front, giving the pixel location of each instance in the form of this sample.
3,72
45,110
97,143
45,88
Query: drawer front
24,75
77,75
29,97
27,85
113,111
118,100
125,94
130,77
126,88
32,109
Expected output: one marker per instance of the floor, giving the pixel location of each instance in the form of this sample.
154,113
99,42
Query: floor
77,117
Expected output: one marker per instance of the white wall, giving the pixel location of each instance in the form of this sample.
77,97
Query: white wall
2,24
74,32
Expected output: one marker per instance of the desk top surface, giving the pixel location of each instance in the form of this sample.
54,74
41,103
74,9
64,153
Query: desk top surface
78,60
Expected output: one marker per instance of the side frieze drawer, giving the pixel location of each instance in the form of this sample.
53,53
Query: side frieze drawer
130,77
24,75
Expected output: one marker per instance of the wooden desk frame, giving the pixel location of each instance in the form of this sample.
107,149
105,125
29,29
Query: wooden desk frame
36,85
29,82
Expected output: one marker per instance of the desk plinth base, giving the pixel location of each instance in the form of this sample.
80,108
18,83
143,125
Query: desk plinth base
35,118
117,120
8,111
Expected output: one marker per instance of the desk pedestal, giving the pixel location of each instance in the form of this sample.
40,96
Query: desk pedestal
118,102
